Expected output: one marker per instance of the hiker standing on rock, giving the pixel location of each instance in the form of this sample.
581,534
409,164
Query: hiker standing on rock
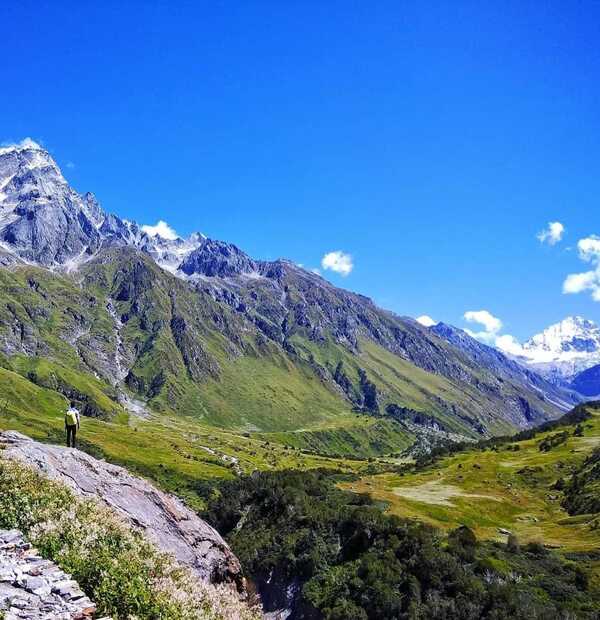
71,424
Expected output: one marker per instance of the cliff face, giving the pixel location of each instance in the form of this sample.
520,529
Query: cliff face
163,518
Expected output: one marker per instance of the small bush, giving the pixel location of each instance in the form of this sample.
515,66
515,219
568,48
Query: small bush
552,441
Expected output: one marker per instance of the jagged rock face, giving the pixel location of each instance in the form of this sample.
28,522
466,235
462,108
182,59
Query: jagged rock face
44,219
116,231
163,518
216,258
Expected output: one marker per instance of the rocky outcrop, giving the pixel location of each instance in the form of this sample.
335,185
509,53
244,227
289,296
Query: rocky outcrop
34,588
217,258
163,518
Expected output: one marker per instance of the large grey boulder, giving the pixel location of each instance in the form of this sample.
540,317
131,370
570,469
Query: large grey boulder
163,518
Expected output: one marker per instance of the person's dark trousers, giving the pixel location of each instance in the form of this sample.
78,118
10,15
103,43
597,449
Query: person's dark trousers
71,430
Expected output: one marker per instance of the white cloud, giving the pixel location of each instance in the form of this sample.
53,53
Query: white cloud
338,261
162,229
579,282
490,335
70,165
589,251
509,344
426,320
552,234
490,323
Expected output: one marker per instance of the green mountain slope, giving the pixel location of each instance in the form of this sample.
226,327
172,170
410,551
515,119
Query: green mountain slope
122,324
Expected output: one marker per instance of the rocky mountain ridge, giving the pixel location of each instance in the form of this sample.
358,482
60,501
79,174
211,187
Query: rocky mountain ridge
587,382
44,221
490,357
170,321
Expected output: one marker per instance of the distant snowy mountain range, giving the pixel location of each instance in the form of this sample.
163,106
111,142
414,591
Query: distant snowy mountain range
563,350
566,354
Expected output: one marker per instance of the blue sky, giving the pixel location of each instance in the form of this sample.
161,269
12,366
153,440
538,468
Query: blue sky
431,141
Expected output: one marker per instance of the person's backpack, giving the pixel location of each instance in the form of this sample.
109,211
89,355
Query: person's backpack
71,417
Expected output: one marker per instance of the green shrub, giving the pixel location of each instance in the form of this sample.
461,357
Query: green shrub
117,567
346,559
552,441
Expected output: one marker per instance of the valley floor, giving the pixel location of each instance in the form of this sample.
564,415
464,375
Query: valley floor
509,488
506,488
181,454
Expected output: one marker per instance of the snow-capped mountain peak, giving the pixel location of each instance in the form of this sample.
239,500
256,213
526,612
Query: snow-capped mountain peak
44,221
25,144
563,350
572,335
22,167
26,155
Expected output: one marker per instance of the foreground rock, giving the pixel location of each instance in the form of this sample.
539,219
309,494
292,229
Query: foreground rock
163,518
34,588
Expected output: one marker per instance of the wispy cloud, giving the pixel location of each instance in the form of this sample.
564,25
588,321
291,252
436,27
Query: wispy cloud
70,165
509,344
491,324
338,261
426,320
162,229
589,252
552,234
490,334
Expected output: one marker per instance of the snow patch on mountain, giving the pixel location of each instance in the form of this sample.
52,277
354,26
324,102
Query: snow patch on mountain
26,144
573,335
